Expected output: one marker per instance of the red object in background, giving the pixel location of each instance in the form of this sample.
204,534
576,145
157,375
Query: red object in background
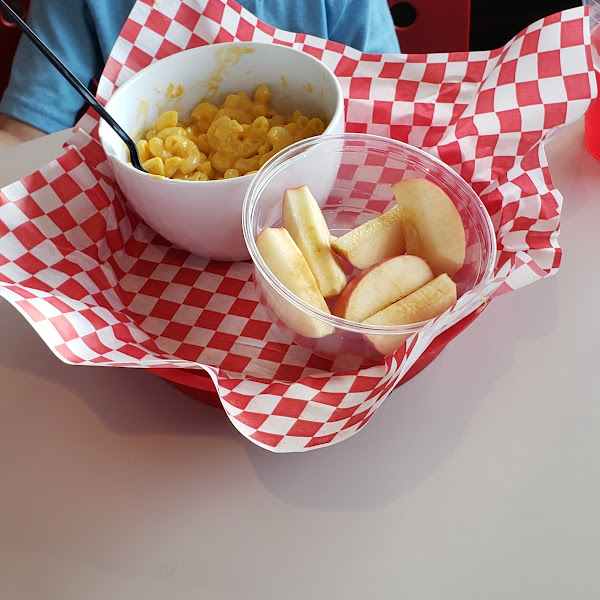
592,116
424,26
592,126
9,39
421,26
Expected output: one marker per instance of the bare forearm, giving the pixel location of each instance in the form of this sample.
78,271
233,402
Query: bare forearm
13,131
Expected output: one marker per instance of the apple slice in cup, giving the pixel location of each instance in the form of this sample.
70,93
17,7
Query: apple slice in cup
373,241
381,285
303,218
287,263
427,302
432,225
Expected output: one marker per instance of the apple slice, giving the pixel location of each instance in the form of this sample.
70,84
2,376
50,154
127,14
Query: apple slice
433,228
423,304
373,241
286,262
381,285
303,218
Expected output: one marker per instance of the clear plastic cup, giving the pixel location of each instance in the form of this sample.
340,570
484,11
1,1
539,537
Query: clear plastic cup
351,176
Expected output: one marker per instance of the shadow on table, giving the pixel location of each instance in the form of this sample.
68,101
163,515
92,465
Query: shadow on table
127,401
419,426
410,438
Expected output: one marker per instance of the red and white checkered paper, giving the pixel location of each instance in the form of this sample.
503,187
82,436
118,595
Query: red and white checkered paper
101,288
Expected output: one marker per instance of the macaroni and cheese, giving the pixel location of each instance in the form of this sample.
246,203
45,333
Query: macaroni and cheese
225,141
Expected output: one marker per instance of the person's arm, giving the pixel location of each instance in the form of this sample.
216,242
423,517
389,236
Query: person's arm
13,131
38,99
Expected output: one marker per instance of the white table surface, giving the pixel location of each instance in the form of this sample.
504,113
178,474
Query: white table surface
479,479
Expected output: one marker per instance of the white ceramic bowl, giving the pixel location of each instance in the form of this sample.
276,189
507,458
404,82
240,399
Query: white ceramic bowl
205,217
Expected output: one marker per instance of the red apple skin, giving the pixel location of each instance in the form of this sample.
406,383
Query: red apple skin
433,228
381,285
423,304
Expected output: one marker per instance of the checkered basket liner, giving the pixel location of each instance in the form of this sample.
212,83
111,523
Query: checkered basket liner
101,288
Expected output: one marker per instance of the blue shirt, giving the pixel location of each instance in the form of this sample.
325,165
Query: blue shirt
82,34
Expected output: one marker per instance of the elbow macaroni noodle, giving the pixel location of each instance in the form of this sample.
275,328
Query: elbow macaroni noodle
232,140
